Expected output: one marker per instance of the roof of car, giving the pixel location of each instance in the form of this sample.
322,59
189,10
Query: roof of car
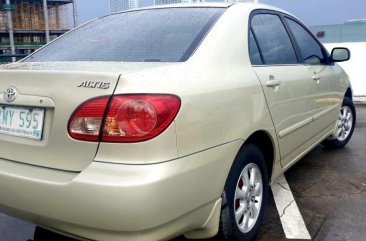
206,4
250,6
186,5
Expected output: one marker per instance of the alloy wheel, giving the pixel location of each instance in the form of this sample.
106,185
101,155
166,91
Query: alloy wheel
248,197
345,123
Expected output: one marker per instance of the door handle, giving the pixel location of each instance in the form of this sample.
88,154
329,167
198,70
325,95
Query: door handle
273,83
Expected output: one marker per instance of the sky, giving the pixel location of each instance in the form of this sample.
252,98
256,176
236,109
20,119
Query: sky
311,12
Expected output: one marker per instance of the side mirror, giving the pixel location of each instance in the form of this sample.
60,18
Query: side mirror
340,55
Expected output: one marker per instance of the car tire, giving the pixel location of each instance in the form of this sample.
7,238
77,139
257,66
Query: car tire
345,126
243,203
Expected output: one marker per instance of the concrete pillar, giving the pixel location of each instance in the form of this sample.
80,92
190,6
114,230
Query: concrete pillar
45,13
75,13
11,30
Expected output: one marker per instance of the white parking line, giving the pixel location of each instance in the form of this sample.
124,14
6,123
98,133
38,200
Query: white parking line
292,222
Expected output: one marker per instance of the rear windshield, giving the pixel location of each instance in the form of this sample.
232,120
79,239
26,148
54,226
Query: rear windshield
155,35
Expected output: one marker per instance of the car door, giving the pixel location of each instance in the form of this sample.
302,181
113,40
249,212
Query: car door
326,101
285,82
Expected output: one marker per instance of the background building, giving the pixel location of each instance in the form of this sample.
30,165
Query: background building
350,31
122,5
27,29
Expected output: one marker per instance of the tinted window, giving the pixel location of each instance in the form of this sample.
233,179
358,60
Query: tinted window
167,35
311,51
255,56
273,40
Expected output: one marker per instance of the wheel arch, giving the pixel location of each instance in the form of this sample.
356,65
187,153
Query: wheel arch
349,93
263,140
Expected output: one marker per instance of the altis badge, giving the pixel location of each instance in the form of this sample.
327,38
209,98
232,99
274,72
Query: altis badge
95,84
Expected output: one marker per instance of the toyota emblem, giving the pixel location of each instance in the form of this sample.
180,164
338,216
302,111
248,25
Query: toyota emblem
10,94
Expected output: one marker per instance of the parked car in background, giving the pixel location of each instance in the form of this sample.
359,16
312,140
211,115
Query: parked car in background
167,121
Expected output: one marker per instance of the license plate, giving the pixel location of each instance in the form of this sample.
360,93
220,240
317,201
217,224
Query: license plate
24,122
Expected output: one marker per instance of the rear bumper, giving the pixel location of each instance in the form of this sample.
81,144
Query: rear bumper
119,202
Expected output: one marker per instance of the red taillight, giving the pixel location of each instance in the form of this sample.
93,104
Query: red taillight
129,118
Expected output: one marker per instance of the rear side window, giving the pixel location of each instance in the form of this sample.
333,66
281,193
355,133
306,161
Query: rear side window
155,35
254,53
273,40
311,51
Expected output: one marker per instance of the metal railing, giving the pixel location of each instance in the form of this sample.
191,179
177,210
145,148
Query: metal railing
8,58
23,43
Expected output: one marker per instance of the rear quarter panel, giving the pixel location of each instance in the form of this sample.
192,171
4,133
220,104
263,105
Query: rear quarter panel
222,99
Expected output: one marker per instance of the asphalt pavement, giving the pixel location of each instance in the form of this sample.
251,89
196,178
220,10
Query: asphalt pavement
329,187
